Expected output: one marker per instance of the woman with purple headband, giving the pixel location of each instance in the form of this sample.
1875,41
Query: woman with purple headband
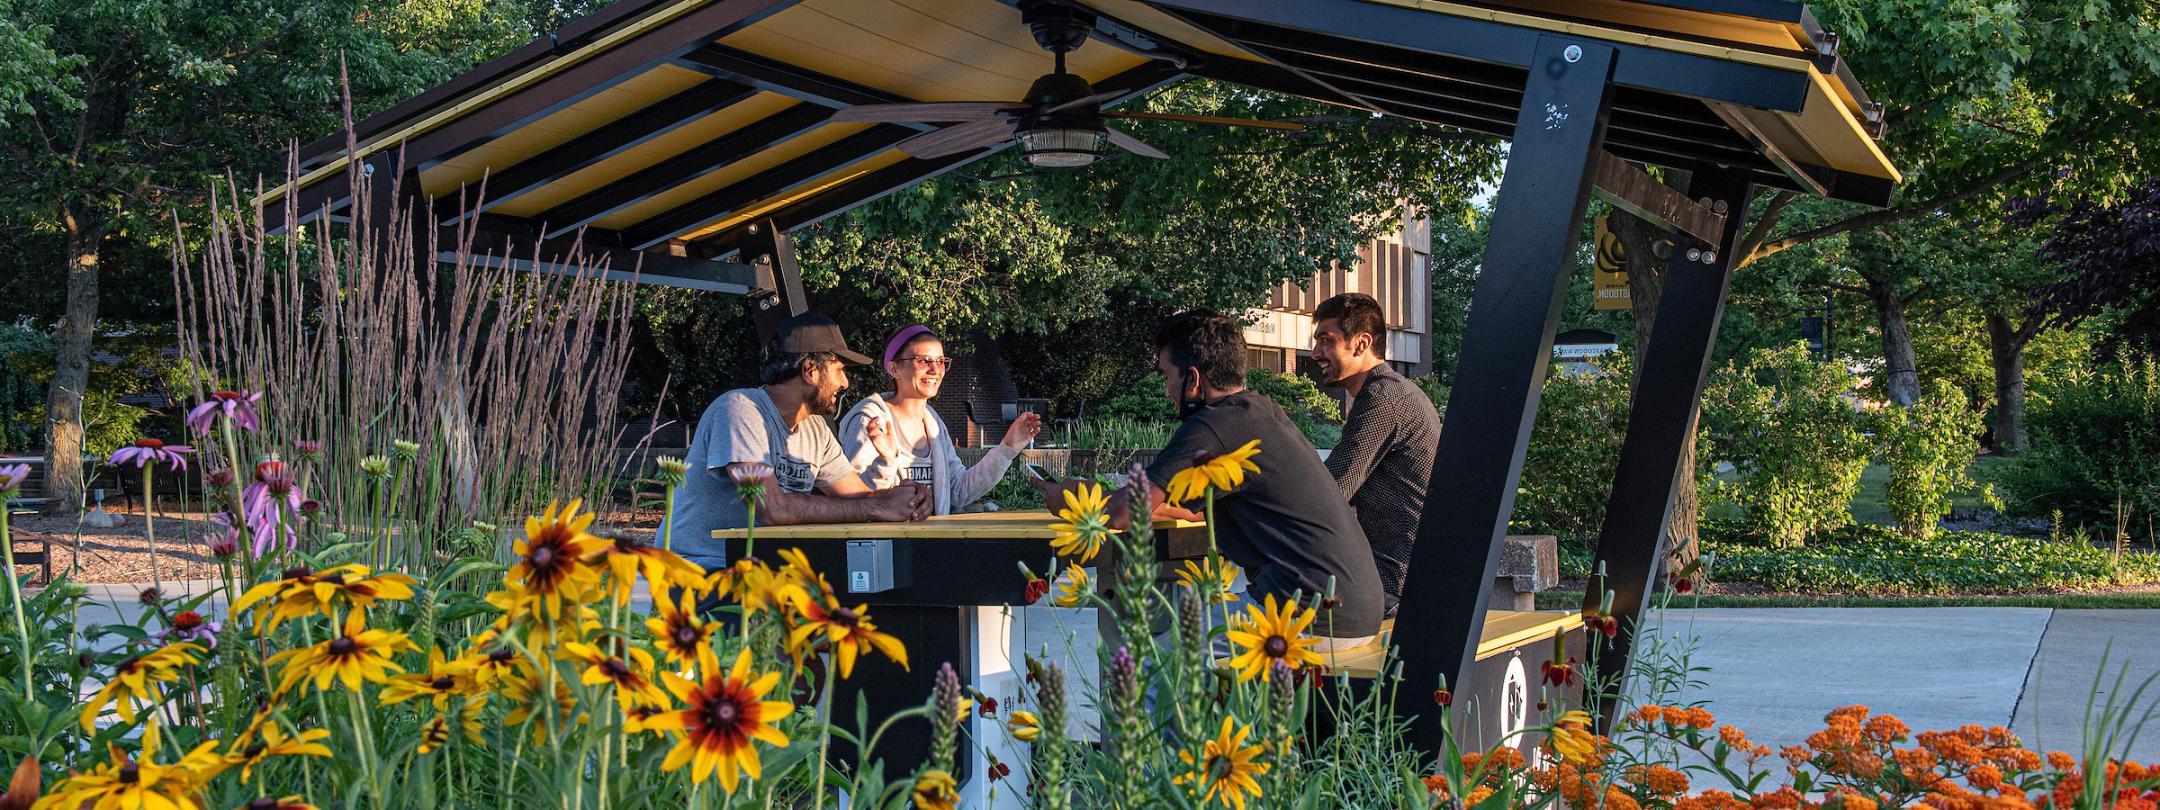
896,436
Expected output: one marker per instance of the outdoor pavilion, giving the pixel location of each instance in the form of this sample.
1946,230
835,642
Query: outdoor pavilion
687,138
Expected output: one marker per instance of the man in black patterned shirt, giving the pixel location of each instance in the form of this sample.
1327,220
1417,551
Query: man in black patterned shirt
1385,458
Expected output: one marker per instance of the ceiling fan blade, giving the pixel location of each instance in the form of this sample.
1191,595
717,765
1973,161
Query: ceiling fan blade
1208,119
934,111
1085,101
1133,145
953,140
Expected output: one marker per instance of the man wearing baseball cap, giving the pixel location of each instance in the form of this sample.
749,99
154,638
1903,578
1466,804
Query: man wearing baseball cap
781,426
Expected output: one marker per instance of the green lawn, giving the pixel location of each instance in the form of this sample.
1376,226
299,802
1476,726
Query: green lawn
1868,506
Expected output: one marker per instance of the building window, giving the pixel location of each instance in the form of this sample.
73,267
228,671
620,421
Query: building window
1270,359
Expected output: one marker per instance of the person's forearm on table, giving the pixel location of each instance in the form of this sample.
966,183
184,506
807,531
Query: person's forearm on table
796,508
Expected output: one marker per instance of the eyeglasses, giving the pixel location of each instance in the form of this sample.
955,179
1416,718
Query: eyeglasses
928,363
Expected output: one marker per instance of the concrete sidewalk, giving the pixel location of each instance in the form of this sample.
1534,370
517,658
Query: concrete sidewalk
1774,672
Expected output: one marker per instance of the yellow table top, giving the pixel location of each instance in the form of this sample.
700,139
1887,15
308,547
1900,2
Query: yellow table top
1504,630
1029,524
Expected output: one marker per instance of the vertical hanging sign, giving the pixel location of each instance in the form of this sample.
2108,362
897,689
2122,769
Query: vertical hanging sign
1610,269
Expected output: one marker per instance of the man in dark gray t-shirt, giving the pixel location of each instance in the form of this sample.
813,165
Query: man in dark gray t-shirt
1285,525
1384,461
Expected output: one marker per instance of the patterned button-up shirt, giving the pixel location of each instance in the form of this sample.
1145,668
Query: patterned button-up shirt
1383,464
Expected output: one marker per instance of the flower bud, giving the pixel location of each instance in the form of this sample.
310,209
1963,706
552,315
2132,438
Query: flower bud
672,470
377,467
403,450
220,478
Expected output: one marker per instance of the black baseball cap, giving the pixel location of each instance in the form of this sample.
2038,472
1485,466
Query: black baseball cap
811,332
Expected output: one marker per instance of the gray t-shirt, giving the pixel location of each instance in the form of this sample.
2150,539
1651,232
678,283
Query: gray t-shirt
743,426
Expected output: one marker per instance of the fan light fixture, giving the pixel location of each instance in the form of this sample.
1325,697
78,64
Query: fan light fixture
1062,147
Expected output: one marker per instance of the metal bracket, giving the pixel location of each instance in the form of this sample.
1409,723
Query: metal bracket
778,292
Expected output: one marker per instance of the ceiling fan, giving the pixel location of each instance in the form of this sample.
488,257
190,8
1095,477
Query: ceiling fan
1060,121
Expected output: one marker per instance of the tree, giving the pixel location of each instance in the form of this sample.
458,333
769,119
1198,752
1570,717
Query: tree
1010,253
125,110
2108,255
1985,100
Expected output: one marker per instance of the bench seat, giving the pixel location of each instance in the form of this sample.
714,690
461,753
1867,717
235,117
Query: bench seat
1504,630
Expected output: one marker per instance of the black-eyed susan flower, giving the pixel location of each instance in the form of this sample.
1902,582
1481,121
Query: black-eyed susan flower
356,654
435,733
524,609
1074,589
552,558
1213,474
122,782
724,716
1086,523
630,674
1223,768
1025,726
936,790
677,630
1269,633
301,592
524,692
1214,578
808,582
135,682
254,750
848,631
278,803
625,557
493,660
442,679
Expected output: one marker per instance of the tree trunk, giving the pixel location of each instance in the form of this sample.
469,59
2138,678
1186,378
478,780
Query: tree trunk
2006,345
1646,285
71,361
1901,375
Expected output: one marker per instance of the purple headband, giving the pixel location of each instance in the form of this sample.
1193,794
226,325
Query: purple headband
900,340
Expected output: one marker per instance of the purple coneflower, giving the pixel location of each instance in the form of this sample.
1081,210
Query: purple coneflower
224,539
238,406
146,451
307,449
12,476
265,502
187,625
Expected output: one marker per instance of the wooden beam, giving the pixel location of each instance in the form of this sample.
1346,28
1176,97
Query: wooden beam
718,205
788,80
426,146
594,257
1633,190
584,151
690,165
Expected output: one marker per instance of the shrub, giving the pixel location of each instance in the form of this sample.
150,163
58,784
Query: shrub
2095,447
1312,410
1870,559
1929,448
1574,451
1792,439
1298,395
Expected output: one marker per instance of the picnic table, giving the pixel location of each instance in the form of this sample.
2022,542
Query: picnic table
949,586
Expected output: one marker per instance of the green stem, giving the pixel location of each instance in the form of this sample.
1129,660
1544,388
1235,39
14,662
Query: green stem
150,527
239,511
824,739
22,629
366,733
667,521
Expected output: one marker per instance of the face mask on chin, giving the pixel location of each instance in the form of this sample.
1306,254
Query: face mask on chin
1188,406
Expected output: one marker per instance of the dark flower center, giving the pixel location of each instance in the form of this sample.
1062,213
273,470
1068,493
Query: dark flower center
443,683
343,645
543,557
502,655
186,620
128,664
229,395
685,636
296,572
615,668
130,773
1276,647
722,713
150,443
263,803
628,545
846,616
334,578
255,749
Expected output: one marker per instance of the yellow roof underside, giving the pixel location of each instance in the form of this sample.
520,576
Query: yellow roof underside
967,50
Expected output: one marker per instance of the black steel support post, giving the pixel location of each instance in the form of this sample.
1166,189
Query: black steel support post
1668,390
1537,220
779,294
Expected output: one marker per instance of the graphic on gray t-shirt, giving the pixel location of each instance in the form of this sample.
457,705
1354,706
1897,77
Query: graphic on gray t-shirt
743,426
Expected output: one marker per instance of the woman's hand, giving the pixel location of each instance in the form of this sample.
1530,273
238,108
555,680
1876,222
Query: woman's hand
880,436
1023,430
